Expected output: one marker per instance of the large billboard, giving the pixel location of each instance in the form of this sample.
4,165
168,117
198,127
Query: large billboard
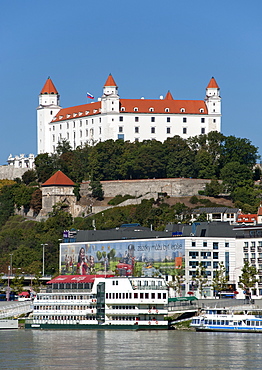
147,256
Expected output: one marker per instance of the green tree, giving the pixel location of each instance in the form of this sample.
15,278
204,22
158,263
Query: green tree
235,174
248,279
220,279
29,176
201,278
97,190
214,188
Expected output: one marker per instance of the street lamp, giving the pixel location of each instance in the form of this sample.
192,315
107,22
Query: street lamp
11,269
43,246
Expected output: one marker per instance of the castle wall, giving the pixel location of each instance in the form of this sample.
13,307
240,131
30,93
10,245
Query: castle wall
11,172
178,187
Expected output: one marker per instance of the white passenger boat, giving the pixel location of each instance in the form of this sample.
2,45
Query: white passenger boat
222,320
99,302
8,324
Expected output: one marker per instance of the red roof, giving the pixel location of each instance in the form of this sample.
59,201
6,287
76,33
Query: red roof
164,105
212,84
59,179
76,279
248,218
49,87
169,96
78,111
110,81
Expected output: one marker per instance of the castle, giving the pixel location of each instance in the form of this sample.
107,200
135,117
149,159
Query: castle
112,117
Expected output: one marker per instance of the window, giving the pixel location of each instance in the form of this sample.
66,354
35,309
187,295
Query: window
215,265
152,119
120,129
204,244
136,130
168,119
215,255
184,119
136,119
168,130
184,130
153,130
122,109
226,245
193,254
193,244
215,245
151,109
182,110
135,109
203,130
53,137
202,120
214,120
166,109
100,130
121,118
153,295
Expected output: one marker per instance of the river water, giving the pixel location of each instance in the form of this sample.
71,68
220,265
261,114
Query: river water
95,349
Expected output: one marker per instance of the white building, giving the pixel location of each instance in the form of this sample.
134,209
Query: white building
128,119
21,161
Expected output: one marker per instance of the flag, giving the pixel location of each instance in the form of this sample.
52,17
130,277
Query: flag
90,96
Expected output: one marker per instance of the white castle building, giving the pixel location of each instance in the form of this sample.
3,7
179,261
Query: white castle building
128,119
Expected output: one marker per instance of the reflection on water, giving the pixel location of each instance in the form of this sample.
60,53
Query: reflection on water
91,349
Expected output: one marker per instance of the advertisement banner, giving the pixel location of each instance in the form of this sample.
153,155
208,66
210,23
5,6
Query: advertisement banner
146,257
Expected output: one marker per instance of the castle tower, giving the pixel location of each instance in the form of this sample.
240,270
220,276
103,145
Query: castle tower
58,189
110,98
47,109
213,103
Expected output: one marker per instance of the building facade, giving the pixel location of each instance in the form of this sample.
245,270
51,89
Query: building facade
112,117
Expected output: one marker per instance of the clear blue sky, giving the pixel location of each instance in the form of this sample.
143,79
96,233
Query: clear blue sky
149,47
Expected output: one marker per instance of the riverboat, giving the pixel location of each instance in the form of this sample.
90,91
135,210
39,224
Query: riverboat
6,324
101,302
222,320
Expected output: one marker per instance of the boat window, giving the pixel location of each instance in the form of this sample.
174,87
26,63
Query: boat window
214,322
222,322
257,323
218,322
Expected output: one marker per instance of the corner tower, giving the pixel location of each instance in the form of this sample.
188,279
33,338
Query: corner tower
110,97
47,109
213,103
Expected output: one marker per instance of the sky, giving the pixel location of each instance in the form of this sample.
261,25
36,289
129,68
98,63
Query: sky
150,47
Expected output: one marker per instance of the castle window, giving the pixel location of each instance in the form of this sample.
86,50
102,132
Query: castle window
92,120
120,129
51,112
184,130
122,109
121,118
99,119
53,137
182,110
80,123
214,110
74,124
203,130
184,119
136,130
53,128
80,133
202,120
74,134
86,121
60,127
152,119
135,109
136,119
168,119
214,120
166,109
137,139
153,130
100,131
67,124
168,130
151,109
86,132
201,110
67,136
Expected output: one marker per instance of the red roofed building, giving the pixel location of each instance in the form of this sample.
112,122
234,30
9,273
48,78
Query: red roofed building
58,189
112,117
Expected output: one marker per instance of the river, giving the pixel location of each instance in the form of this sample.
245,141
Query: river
95,349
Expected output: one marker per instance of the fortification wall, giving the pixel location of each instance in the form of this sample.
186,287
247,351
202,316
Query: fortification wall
179,187
11,172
